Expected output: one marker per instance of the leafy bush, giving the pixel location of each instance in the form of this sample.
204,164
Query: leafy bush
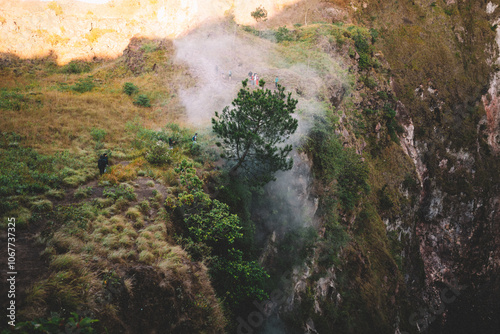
84,85
392,125
362,44
130,89
158,154
75,67
259,14
215,226
383,95
370,82
283,34
334,162
144,206
240,281
142,100
98,134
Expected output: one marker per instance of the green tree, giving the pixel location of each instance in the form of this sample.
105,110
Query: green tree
241,281
259,14
254,129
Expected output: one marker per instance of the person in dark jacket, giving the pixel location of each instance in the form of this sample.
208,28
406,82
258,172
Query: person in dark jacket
102,163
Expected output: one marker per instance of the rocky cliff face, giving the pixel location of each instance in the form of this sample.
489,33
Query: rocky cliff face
450,114
78,30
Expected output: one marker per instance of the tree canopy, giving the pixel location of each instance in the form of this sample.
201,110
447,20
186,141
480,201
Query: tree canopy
254,130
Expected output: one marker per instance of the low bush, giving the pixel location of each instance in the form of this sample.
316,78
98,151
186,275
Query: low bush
142,100
130,89
158,153
83,85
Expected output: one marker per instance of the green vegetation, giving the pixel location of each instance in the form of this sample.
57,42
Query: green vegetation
83,85
259,14
12,100
130,89
143,101
253,130
57,324
283,34
76,67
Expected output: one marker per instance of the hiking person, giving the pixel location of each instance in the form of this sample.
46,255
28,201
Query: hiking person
276,82
195,137
230,74
102,163
256,79
252,78
171,142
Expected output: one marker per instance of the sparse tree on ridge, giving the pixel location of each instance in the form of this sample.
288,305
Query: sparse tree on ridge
259,14
254,130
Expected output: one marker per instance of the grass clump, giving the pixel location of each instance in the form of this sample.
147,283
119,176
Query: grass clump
133,213
124,191
83,192
43,205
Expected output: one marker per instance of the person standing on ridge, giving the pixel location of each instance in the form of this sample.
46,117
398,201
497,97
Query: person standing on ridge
256,79
276,82
102,163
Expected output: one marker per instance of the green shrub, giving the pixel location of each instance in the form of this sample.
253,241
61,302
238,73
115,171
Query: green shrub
383,95
84,85
98,134
240,281
75,67
370,82
142,100
283,34
144,207
259,14
158,154
129,88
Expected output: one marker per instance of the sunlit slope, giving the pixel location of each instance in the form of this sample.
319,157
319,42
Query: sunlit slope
72,29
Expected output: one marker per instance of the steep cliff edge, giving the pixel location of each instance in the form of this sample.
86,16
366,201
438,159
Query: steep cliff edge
443,64
391,223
